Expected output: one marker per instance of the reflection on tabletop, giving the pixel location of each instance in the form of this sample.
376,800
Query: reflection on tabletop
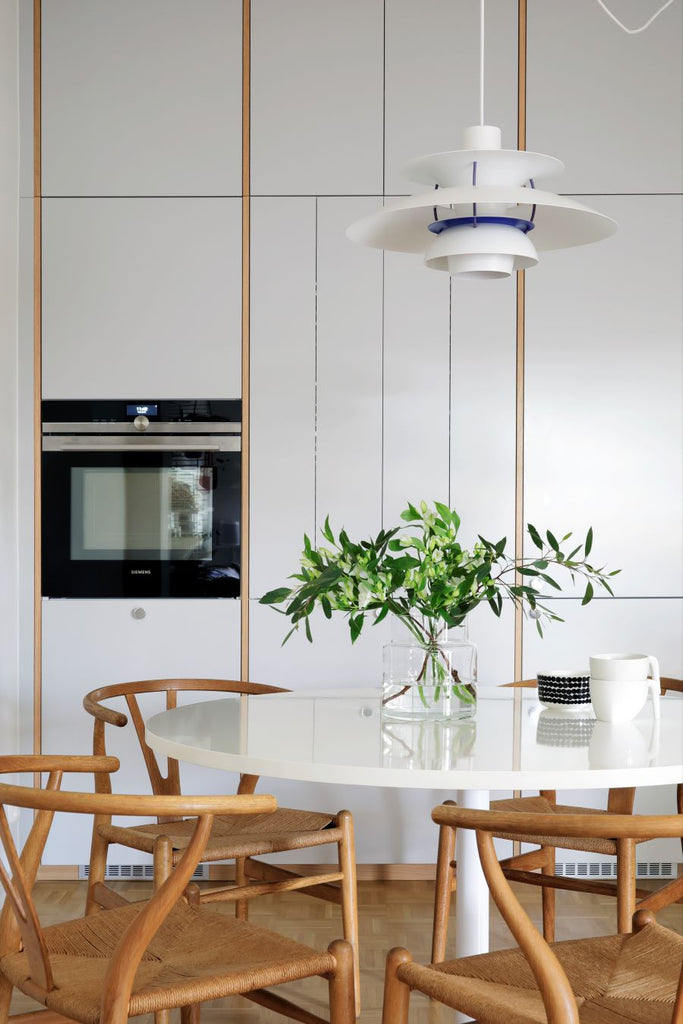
580,740
341,735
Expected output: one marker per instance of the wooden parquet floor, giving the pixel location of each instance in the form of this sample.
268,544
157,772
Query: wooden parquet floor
391,913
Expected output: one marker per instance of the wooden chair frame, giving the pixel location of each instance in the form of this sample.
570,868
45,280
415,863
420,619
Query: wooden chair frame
20,929
537,867
253,877
461,992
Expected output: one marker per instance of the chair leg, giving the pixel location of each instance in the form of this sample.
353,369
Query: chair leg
241,878
349,894
396,992
341,982
626,884
163,866
444,885
190,1014
99,848
5,998
548,897
162,859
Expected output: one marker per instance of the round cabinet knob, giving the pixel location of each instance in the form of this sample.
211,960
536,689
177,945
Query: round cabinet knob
141,423
138,613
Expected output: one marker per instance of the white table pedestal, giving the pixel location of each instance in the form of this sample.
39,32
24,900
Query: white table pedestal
472,894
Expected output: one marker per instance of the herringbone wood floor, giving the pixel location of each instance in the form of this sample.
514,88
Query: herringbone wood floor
391,913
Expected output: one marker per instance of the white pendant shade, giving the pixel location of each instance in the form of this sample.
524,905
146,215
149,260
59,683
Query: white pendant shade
496,224
488,250
403,224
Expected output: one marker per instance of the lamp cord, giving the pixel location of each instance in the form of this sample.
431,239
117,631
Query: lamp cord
481,61
633,31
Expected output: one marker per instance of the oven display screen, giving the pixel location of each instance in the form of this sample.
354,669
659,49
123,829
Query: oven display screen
142,410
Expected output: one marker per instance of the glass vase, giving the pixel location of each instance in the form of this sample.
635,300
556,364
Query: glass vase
435,679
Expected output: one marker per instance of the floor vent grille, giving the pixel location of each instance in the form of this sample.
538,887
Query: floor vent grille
592,869
135,872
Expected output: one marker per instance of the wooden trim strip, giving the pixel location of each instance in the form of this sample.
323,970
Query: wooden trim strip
519,395
37,380
246,323
520,343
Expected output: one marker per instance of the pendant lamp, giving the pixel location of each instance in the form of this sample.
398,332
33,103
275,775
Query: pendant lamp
483,216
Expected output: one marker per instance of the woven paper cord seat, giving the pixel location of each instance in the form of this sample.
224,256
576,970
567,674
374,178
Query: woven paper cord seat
151,956
196,953
603,973
233,838
632,978
230,837
524,867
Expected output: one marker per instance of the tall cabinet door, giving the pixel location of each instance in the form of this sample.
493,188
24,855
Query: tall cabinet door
141,99
316,97
87,644
141,298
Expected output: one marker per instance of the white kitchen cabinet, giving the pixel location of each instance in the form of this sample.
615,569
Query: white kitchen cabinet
432,78
483,391
91,643
349,372
141,298
604,437
25,83
141,99
282,362
316,97
25,454
331,660
416,399
608,104
651,625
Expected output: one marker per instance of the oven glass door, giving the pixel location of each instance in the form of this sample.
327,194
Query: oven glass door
145,523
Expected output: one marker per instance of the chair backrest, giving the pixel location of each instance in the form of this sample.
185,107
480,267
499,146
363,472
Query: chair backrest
19,922
166,780
555,989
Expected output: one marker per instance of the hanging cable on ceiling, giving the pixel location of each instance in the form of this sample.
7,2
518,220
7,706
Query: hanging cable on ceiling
634,31
481,63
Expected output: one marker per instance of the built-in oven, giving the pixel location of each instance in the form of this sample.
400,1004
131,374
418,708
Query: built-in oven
141,499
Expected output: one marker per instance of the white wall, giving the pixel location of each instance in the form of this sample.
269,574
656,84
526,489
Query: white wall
9,194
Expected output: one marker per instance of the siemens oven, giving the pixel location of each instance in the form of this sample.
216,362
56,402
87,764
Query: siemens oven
141,499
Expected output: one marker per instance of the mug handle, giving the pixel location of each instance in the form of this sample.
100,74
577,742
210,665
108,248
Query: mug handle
654,684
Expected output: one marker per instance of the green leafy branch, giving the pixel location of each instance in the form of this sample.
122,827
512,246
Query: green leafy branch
421,574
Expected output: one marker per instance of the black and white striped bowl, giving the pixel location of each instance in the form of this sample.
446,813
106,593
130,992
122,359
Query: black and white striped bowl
567,691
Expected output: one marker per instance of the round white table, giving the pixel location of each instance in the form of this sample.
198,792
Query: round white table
342,736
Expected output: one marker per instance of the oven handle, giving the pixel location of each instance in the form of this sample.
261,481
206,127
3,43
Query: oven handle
230,444
61,444
140,448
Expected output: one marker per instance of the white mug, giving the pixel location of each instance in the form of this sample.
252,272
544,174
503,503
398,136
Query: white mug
620,685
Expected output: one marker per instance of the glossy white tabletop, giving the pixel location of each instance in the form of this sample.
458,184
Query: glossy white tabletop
341,736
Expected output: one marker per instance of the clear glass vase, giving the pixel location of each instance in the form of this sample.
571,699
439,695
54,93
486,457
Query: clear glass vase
436,679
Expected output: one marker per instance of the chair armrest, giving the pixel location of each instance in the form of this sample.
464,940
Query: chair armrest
12,764
91,703
600,826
